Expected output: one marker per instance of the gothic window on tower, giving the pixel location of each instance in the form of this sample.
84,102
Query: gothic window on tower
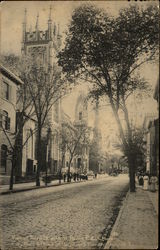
42,35
39,53
80,116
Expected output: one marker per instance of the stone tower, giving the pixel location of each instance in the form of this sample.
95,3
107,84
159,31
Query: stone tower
81,123
45,44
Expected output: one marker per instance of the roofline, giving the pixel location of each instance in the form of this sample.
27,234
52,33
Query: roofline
10,75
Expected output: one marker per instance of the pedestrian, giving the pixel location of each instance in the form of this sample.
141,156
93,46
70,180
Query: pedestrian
64,177
154,180
77,177
60,176
141,182
145,182
70,177
74,176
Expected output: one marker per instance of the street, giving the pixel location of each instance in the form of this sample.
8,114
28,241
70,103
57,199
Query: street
75,216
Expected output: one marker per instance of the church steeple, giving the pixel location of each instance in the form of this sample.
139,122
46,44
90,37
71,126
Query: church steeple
50,28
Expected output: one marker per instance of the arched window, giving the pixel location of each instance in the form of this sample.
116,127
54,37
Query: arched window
5,119
80,116
4,157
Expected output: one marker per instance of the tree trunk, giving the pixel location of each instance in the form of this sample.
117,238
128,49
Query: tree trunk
69,167
131,159
12,174
38,157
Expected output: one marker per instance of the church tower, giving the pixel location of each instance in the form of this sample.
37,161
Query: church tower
45,44
81,123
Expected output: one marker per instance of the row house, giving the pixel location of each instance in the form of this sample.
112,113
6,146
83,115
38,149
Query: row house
156,124
9,85
151,127
9,127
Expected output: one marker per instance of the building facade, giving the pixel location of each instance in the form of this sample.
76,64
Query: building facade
156,125
9,85
151,126
75,139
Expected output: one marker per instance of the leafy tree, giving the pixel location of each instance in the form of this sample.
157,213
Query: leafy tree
108,52
45,89
73,140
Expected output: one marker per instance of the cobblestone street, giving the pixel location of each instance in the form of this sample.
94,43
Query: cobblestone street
68,216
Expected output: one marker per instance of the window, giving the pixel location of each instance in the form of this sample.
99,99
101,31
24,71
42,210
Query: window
4,157
80,116
5,90
4,120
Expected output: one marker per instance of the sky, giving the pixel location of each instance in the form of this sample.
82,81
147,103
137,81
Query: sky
12,15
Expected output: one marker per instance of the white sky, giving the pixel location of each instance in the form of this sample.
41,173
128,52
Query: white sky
11,35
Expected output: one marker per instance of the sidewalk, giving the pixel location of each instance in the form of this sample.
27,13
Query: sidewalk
136,226
20,187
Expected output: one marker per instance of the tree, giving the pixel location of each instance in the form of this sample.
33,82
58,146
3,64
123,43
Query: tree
45,89
73,141
107,52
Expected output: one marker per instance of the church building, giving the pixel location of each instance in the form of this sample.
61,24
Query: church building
44,44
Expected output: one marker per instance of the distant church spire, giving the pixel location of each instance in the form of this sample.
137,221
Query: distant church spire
50,13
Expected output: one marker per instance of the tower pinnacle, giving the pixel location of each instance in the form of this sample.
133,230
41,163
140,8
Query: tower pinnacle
50,13
50,29
24,25
37,22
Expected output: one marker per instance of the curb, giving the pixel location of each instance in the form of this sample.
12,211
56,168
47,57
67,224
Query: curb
154,208
35,187
113,232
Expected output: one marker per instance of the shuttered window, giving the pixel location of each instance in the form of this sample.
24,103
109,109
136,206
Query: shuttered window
5,120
